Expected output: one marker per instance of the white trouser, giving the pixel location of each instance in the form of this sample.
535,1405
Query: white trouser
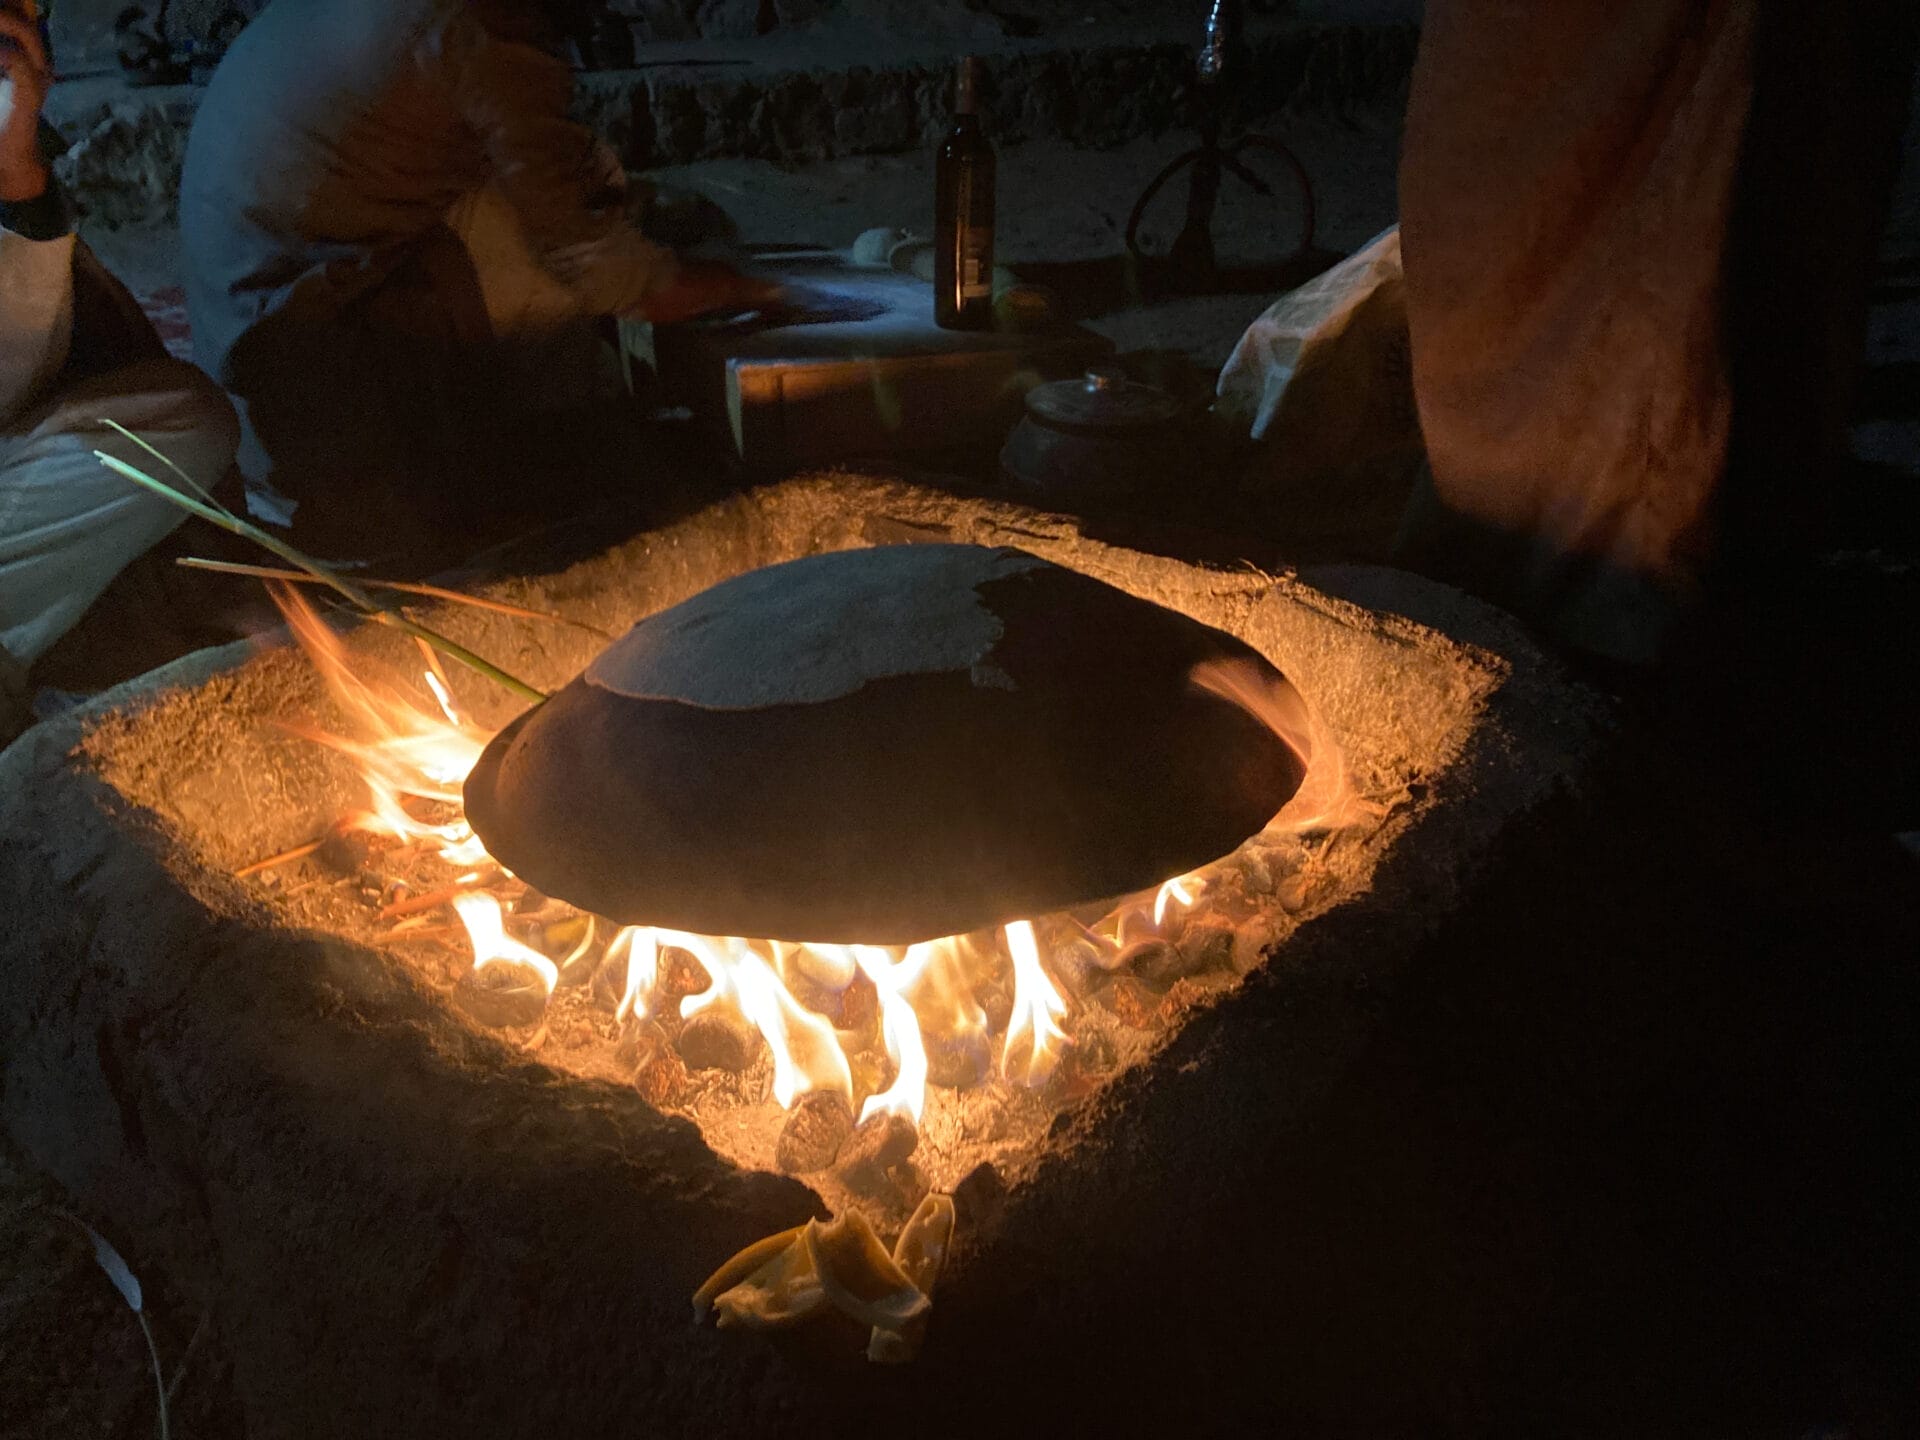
68,525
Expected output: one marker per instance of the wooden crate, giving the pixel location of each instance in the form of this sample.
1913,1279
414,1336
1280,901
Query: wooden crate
889,383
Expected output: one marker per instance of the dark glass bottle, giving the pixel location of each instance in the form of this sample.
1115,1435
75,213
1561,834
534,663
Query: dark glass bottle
963,215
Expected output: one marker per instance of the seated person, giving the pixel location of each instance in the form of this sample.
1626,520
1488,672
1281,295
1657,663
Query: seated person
75,351
385,209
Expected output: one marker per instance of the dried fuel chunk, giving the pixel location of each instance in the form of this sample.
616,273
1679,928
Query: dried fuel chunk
502,996
883,746
872,1161
717,1040
814,1131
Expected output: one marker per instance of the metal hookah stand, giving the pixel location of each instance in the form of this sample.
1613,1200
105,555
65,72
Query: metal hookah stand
1220,71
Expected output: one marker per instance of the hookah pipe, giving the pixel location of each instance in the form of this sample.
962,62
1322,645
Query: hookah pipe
1191,258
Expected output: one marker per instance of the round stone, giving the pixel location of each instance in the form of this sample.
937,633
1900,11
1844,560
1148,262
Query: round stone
883,746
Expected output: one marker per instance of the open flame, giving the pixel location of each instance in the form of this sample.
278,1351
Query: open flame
407,754
806,1052
491,943
1182,889
1326,799
899,1028
1037,1009
413,748
642,951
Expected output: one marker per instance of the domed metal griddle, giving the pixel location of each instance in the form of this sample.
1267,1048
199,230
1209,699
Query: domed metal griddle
882,746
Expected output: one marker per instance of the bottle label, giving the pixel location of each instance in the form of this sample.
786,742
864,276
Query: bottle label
976,261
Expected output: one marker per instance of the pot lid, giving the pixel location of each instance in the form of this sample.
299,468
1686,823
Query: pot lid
1102,400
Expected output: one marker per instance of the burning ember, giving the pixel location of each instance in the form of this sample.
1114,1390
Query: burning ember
883,1073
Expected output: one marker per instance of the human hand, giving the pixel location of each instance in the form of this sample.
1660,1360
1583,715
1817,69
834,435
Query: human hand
706,287
26,75
606,177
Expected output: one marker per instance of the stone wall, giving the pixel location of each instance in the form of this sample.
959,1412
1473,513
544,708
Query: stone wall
83,29
1088,96
804,100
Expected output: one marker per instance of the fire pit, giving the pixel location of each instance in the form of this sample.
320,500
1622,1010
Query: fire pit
438,1151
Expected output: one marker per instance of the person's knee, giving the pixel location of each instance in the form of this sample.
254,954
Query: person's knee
188,398
206,410
170,404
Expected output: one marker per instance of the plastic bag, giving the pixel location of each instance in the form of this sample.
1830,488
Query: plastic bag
1323,381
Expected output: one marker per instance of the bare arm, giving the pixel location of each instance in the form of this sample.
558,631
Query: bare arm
517,98
36,236
26,75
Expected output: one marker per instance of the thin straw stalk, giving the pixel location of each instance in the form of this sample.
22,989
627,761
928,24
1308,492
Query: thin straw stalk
403,587
216,514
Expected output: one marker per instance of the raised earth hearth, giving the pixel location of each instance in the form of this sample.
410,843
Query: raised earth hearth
402,1223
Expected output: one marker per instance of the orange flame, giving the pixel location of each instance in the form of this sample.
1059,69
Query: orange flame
1184,888
414,749
806,1053
1326,799
643,969
900,1029
486,928
940,992
405,752
1037,1009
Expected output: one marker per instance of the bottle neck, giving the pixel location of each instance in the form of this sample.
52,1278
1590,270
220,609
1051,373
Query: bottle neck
966,100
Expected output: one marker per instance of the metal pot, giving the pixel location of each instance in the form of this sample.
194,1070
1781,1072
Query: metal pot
1097,440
